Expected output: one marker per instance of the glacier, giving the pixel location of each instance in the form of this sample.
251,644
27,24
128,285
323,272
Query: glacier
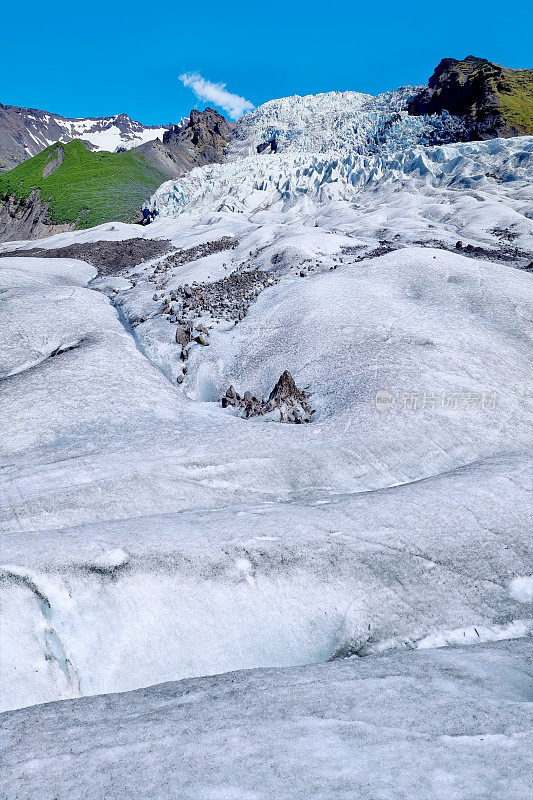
342,122
211,585
435,723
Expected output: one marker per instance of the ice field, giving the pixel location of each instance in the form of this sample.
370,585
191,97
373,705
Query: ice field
380,555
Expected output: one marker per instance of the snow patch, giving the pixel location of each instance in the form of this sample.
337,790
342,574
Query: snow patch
521,589
480,633
111,559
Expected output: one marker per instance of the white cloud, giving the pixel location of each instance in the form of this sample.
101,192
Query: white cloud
216,93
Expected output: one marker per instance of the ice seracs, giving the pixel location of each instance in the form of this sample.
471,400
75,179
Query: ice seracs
257,183
341,122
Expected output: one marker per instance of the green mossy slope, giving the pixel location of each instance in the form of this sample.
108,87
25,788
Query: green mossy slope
87,188
515,93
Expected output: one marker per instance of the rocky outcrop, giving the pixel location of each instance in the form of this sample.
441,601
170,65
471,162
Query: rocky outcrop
267,147
28,218
200,141
285,402
55,160
208,130
493,100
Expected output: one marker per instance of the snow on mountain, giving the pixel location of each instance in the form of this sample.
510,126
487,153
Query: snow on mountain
109,133
24,132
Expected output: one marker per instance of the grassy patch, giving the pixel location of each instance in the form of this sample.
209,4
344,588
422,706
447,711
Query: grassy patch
88,188
516,98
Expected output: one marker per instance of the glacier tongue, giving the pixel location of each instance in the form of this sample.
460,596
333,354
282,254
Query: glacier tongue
257,183
339,145
150,535
169,539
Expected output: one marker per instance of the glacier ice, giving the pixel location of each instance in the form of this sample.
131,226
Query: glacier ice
425,724
150,536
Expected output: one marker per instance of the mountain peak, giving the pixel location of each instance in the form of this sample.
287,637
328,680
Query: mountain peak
493,100
25,132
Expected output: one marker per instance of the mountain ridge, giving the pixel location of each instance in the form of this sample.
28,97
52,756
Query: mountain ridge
464,100
34,203
25,132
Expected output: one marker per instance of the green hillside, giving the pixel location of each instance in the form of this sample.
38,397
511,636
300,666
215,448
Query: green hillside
515,93
86,188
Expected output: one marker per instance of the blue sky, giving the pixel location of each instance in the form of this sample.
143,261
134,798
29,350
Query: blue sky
100,58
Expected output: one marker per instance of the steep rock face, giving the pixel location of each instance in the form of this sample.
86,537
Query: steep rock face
206,129
201,140
24,132
494,101
28,218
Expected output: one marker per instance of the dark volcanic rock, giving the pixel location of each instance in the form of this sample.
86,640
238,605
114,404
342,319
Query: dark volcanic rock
28,218
207,128
180,257
228,298
267,147
285,401
493,100
108,257
286,391
201,141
